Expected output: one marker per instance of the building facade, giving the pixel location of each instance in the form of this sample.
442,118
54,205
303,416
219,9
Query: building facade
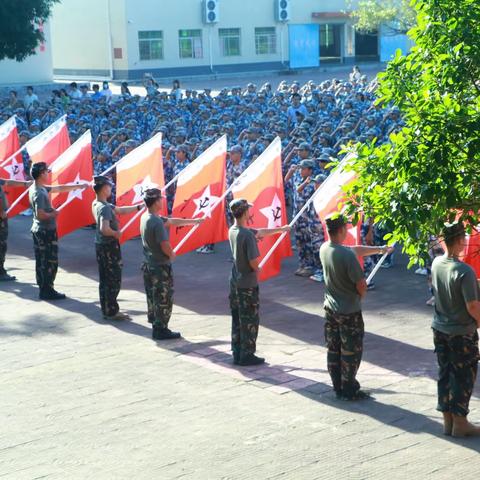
35,69
124,39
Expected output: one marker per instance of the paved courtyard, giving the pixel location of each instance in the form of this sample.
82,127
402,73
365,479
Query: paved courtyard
85,399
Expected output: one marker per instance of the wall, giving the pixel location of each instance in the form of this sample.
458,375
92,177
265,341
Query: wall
35,69
81,32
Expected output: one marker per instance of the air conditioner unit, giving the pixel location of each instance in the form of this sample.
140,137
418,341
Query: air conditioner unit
210,11
282,10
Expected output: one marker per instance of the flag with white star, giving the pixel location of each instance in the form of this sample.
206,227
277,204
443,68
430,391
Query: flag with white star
48,145
13,169
200,187
262,185
138,171
75,165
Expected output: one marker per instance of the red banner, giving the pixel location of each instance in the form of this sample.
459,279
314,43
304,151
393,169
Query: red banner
74,166
141,169
199,187
262,185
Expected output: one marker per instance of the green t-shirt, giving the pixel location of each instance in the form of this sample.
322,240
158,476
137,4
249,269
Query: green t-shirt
454,285
341,271
153,231
244,248
3,197
40,200
105,211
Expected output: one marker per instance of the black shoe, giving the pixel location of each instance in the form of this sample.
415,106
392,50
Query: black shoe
5,277
51,295
251,360
164,334
359,395
236,358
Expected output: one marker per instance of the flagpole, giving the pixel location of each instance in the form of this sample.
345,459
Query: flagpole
132,219
291,224
294,220
378,265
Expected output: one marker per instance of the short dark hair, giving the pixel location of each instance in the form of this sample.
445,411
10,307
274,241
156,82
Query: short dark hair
452,232
151,195
335,223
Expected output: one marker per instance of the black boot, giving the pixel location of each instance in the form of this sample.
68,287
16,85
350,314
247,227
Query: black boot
164,334
250,360
50,294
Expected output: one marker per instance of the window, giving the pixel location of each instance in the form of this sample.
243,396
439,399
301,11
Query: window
150,44
265,41
190,43
229,41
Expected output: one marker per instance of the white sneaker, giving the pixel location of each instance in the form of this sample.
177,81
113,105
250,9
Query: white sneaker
421,271
317,277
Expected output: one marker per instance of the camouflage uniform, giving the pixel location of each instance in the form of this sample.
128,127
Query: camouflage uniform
344,339
369,261
158,282
45,246
109,259
457,357
244,305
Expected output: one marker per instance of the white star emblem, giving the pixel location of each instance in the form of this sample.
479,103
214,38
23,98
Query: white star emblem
15,170
140,188
76,193
273,213
205,202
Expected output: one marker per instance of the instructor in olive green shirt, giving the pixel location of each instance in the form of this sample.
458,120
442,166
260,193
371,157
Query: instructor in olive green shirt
455,323
345,286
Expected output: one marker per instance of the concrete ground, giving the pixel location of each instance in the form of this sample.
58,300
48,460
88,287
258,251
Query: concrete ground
82,398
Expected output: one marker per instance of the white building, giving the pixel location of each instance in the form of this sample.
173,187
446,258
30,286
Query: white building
35,69
124,39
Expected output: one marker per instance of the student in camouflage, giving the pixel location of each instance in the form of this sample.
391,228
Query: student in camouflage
455,323
157,265
107,247
4,276
345,286
44,229
244,292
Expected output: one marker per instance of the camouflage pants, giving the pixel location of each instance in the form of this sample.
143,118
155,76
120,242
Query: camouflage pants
158,282
3,243
369,261
45,246
308,240
244,305
109,259
344,339
457,357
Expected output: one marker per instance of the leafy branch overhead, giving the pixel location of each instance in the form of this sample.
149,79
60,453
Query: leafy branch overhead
395,16
20,26
430,172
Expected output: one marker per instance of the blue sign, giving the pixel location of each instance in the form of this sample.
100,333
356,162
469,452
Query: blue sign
304,45
389,45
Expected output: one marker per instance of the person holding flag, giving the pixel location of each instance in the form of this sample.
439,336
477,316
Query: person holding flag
345,286
244,292
157,265
4,276
107,247
44,229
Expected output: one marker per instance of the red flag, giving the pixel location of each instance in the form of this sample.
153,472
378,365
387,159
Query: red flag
262,185
49,144
140,169
331,199
199,187
74,166
471,254
13,169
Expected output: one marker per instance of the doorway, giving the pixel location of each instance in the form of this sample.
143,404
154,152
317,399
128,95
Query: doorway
366,47
331,43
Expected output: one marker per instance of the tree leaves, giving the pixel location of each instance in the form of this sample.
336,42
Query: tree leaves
430,171
20,31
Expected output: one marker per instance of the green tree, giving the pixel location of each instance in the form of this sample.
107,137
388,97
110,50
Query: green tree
430,171
396,16
19,26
